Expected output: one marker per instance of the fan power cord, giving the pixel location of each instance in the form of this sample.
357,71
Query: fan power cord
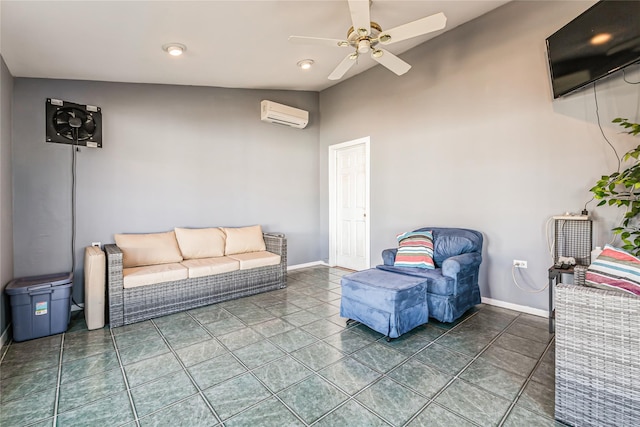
536,291
74,148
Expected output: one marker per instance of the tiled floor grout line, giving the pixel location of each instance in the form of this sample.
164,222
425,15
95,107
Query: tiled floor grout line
384,374
124,376
57,401
287,353
250,371
464,368
303,289
5,350
527,381
186,371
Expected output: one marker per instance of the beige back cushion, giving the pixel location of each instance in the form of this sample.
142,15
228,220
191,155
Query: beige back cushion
200,242
244,239
148,249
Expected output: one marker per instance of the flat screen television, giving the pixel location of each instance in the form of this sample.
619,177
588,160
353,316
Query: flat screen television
602,40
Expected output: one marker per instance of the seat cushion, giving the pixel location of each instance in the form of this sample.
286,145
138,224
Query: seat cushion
436,283
244,239
207,266
148,249
389,303
384,290
197,243
152,274
256,259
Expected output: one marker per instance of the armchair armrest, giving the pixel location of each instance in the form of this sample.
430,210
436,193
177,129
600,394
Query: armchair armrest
461,264
389,256
115,285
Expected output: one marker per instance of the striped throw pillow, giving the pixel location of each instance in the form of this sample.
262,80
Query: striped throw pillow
615,269
415,250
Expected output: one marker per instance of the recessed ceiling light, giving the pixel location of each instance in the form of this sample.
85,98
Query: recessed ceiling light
174,49
305,64
601,38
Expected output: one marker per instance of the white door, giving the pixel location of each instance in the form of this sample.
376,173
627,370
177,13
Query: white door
351,205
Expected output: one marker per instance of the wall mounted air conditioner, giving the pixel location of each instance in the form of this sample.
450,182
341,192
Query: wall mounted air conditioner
273,112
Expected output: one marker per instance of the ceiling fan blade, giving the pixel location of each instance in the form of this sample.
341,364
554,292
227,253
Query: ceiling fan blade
318,41
413,29
360,16
390,61
343,67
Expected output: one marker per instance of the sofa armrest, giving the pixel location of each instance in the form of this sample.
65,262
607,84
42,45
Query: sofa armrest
274,234
461,264
389,256
115,285
276,243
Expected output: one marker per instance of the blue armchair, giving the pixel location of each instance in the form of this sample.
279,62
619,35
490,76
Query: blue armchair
452,287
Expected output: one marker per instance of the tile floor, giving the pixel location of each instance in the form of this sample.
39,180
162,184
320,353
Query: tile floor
284,358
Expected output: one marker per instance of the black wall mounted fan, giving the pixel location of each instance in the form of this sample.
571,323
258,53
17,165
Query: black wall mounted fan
69,123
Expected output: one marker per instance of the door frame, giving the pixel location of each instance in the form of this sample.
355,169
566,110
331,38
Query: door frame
333,186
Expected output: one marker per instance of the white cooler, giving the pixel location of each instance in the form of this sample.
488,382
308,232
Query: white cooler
94,287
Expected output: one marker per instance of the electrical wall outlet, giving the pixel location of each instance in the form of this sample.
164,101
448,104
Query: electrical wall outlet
519,263
98,244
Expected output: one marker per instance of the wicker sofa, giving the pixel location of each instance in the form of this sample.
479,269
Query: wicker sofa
597,355
129,304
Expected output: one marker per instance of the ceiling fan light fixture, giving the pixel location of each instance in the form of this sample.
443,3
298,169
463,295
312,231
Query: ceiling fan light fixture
384,38
353,56
363,32
174,49
377,53
343,43
363,46
305,64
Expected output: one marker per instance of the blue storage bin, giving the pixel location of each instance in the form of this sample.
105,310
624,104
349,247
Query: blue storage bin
40,305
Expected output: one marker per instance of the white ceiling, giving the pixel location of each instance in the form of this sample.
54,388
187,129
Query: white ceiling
237,44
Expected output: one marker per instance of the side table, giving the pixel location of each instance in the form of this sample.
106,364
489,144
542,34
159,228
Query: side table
554,274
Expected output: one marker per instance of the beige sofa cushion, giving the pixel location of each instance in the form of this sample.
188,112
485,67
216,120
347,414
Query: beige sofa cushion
244,239
256,259
148,249
207,266
152,274
200,242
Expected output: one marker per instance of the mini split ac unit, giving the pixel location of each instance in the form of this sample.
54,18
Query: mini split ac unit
273,112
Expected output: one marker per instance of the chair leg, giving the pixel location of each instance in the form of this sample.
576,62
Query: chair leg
350,322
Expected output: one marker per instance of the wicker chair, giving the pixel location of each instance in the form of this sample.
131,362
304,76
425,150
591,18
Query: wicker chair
597,355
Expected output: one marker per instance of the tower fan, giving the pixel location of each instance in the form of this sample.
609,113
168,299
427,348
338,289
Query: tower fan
69,123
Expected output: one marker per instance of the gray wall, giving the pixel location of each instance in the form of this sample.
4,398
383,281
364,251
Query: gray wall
172,156
474,118
6,223
470,137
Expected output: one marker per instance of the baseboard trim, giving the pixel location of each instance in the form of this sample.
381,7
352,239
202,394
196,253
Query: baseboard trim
305,265
5,336
516,307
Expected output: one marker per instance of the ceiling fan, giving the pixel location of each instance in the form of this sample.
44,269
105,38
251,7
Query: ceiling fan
367,36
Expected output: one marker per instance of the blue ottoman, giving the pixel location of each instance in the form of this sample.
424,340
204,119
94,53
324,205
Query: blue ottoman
389,303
